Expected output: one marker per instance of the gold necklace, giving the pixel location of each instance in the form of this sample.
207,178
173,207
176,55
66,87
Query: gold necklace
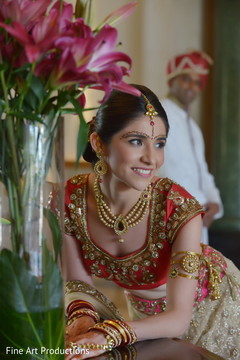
120,224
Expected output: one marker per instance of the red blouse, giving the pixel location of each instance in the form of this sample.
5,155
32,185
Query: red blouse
171,207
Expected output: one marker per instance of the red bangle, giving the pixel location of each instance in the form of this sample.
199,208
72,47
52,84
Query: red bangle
77,305
85,312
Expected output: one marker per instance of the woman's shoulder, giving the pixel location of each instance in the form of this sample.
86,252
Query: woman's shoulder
174,204
167,185
77,180
74,184
174,192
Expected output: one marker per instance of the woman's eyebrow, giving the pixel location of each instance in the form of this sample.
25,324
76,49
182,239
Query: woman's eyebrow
160,137
137,134
141,135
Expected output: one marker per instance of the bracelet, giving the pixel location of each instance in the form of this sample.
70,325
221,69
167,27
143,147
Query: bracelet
84,312
120,329
129,331
121,333
113,333
188,276
128,335
77,305
173,273
186,252
107,347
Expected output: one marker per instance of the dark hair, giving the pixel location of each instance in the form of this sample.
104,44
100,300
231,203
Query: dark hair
117,112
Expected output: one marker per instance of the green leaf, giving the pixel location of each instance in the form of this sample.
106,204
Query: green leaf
4,221
80,8
31,308
26,115
37,88
82,138
3,66
83,9
56,231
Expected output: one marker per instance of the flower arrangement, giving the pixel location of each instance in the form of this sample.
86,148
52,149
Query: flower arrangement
49,57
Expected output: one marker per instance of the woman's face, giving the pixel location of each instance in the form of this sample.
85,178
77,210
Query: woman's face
135,153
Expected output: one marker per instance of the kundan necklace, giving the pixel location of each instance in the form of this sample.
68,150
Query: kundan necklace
120,224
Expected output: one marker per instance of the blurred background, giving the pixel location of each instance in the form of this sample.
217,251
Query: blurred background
158,30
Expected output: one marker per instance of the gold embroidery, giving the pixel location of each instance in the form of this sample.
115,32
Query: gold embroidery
176,197
82,287
145,306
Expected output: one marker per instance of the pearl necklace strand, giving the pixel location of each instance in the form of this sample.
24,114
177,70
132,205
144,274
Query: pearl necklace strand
120,224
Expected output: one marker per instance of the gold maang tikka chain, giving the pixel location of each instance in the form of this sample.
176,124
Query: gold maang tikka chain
120,224
151,112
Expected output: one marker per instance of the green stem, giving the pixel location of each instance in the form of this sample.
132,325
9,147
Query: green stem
11,138
44,103
26,88
89,12
15,216
61,7
4,90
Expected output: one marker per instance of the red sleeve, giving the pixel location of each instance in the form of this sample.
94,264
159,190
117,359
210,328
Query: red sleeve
181,207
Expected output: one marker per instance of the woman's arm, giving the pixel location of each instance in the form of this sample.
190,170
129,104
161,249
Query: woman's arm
74,270
72,260
180,293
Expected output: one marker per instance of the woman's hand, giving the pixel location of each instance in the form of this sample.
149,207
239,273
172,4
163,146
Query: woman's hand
74,351
78,327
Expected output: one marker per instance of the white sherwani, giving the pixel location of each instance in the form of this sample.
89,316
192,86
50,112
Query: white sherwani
185,161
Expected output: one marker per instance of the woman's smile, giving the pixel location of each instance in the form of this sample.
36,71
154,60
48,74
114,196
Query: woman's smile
143,172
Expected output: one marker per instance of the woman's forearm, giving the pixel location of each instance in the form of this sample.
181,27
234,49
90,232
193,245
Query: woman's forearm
167,324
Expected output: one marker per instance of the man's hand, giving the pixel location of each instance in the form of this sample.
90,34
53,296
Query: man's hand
211,209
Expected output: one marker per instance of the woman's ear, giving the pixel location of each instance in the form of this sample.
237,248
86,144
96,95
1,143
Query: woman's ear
95,142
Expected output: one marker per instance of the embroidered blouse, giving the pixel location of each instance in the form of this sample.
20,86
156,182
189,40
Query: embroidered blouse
171,208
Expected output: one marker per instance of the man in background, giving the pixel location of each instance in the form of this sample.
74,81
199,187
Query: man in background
185,161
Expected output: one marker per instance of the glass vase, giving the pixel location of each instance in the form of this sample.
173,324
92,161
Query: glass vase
31,208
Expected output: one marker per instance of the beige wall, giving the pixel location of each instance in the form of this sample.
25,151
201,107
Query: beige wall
156,31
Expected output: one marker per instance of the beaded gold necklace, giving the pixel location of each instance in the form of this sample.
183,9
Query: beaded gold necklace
120,224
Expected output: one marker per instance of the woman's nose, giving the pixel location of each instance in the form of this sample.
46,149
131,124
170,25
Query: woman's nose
148,155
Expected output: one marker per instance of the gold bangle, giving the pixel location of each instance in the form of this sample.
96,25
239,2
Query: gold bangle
114,324
186,252
85,312
173,273
190,262
129,330
113,333
107,347
188,276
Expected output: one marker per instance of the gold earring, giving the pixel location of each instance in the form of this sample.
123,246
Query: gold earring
100,168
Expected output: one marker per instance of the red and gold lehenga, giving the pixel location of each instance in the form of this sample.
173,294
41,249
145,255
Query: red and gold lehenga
215,323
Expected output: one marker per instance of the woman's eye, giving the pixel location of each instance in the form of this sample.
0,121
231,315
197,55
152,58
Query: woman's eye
160,144
136,141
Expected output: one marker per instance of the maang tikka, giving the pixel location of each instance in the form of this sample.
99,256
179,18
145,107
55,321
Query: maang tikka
151,112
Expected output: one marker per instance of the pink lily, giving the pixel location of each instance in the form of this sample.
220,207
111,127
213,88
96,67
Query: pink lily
25,12
44,33
91,60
